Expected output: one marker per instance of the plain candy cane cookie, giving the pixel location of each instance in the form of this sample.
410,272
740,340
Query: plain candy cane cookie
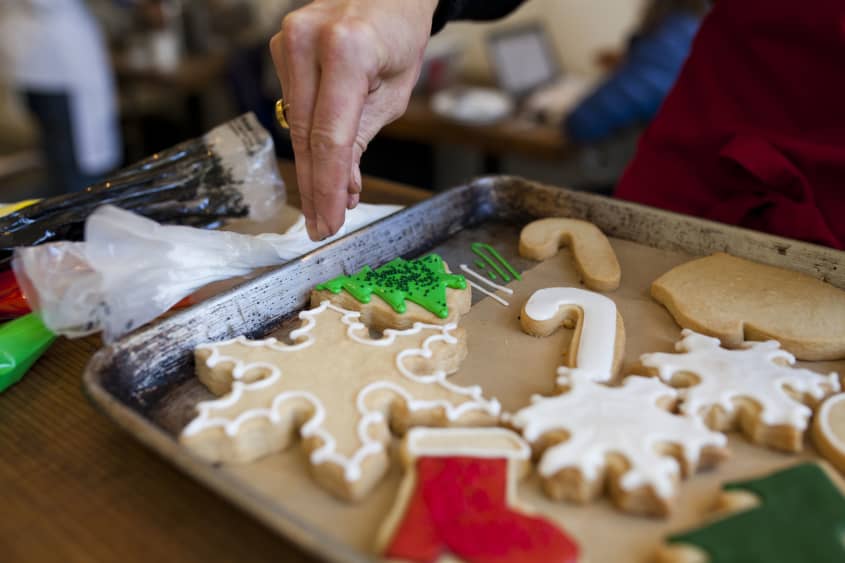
595,259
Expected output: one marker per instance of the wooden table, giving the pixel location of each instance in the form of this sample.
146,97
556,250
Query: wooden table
75,488
509,137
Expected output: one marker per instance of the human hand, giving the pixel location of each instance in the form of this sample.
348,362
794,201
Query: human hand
347,68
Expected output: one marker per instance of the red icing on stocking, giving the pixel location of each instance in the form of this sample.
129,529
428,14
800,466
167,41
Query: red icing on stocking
460,506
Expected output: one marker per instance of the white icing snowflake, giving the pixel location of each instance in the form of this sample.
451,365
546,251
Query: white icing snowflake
752,372
626,420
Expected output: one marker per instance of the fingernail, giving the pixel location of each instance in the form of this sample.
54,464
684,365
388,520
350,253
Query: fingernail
323,231
356,176
311,227
352,201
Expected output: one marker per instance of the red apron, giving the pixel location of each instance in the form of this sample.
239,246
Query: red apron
753,133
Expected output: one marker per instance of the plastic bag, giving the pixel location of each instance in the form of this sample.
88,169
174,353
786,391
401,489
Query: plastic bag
131,269
229,172
247,154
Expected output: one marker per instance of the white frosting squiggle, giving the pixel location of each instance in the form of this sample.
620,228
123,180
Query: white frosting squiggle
481,278
488,293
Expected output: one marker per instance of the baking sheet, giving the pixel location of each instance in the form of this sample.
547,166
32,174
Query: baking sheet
507,363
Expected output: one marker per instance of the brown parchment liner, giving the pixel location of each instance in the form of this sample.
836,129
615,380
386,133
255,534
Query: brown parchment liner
513,366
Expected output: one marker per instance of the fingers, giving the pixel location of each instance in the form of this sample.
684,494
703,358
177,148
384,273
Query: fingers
337,116
297,67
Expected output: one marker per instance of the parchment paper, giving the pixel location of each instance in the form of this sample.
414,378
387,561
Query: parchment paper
512,366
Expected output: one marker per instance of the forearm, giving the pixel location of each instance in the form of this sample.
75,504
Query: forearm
449,10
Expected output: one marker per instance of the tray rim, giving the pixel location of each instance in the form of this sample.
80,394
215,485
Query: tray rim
273,515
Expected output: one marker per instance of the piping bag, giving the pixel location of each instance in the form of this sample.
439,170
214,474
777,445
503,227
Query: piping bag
131,270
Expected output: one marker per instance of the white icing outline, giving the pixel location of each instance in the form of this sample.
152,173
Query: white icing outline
824,421
469,449
326,452
750,372
597,344
626,420
487,293
491,283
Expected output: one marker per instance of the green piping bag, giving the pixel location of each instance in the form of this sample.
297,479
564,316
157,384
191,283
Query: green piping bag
22,341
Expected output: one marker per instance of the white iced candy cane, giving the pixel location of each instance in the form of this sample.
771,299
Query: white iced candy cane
596,346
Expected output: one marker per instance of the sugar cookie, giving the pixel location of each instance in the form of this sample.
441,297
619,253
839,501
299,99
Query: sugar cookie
598,345
737,300
756,389
797,514
400,293
458,496
591,435
342,391
829,431
595,259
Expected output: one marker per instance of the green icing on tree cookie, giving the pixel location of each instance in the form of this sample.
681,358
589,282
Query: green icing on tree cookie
801,518
422,281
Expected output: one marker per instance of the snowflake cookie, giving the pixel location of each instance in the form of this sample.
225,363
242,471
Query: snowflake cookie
755,389
592,434
340,389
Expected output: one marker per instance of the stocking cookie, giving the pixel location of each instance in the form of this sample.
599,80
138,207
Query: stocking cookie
591,434
595,259
400,293
797,514
598,345
458,497
829,431
755,389
737,300
342,391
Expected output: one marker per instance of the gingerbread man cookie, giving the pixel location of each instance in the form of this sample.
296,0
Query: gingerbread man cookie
797,514
340,389
756,389
400,293
459,497
591,434
736,300
595,259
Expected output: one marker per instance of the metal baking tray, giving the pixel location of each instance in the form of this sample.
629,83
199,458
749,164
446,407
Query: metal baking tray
134,381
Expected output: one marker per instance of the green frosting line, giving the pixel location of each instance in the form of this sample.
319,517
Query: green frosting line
422,281
491,275
493,259
481,264
801,517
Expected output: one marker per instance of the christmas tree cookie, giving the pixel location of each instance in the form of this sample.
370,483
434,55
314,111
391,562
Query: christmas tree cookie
400,293
794,515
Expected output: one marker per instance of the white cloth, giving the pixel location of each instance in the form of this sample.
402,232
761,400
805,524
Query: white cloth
56,46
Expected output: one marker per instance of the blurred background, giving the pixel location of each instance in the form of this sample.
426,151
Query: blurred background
558,92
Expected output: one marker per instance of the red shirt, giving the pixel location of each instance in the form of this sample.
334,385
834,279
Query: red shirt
753,133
